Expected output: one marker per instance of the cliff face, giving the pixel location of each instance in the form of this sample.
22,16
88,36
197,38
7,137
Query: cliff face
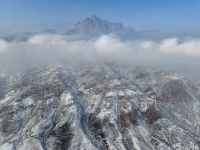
98,105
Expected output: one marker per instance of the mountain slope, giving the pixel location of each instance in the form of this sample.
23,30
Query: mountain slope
98,105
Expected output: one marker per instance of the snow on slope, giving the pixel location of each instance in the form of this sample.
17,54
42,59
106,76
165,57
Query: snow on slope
98,105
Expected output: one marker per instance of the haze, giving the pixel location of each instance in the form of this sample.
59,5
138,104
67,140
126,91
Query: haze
181,53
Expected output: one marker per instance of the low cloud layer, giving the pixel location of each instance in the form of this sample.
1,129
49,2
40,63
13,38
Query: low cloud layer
188,48
183,56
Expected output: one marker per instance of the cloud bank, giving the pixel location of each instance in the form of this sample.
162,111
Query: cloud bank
44,49
188,48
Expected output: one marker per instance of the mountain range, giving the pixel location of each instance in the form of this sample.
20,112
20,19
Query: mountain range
94,26
98,106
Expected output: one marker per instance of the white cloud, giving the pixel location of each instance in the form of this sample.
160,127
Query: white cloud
43,49
3,45
189,48
53,39
109,43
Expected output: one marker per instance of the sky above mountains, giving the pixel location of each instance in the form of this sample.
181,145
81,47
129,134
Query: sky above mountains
179,53
168,15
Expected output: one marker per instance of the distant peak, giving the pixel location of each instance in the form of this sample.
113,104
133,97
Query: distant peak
94,17
97,25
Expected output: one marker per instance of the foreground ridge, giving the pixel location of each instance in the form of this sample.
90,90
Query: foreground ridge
98,105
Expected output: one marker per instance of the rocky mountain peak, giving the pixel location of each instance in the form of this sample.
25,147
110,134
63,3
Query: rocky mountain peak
93,17
96,25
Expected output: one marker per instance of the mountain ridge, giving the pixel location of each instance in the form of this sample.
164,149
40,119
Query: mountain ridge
98,105
94,27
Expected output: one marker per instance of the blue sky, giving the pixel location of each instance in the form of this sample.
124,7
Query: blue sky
165,15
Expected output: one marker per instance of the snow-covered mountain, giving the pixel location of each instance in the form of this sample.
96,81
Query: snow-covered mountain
98,105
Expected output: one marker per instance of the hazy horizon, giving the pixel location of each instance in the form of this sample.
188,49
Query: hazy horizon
17,16
179,53
99,75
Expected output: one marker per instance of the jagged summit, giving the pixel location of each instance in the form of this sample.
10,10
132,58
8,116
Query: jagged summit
96,25
93,17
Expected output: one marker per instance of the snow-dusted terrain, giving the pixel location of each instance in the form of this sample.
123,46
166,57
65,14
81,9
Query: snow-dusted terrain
98,105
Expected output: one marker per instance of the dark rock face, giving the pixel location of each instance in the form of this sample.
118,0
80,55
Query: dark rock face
98,105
